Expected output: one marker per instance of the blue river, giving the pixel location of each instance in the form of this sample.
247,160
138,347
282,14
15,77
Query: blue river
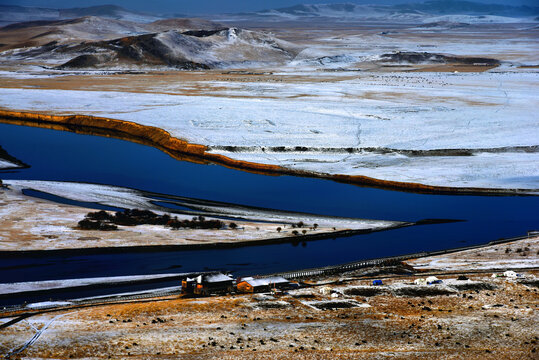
66,156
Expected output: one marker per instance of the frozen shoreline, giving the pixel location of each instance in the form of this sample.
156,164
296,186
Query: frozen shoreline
336,122
29,224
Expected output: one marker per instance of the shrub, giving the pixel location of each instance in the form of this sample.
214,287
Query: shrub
99,215
103,220
88,224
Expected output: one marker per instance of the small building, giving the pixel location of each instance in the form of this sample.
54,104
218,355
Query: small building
252,285
188,285
207,284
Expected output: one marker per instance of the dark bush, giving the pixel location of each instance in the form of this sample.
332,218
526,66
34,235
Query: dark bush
103,220
196,223
88,224
99,215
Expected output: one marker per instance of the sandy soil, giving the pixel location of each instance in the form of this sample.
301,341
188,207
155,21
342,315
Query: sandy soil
28,223
482,318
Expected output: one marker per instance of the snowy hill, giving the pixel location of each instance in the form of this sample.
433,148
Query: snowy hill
13,14
192,49
108,11
89,28
424,12
454,7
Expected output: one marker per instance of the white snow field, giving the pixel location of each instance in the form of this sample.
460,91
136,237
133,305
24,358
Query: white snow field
132,199
6,164
377,124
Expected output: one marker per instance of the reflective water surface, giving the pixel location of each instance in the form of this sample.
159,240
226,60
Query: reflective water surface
58,155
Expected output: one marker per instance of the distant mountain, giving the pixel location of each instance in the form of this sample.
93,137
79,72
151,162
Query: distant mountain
89,28
13,14
456,7
346,10
402,12
185,23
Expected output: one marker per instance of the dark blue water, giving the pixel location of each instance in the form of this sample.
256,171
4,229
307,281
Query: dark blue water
57,155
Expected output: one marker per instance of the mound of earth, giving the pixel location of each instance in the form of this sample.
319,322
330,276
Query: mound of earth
194,49
444,25
411,57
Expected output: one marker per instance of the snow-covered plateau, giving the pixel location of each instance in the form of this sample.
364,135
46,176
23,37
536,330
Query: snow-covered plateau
476,130
397,102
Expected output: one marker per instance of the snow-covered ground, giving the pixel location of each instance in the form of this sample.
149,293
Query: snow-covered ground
379,116
336,108
132,199
519,254
28,223
5,164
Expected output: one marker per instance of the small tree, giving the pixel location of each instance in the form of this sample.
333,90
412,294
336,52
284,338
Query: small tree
279,229
315,225
295,232
233,226
304,231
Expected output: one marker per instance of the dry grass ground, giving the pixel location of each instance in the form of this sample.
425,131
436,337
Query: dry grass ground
480,318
